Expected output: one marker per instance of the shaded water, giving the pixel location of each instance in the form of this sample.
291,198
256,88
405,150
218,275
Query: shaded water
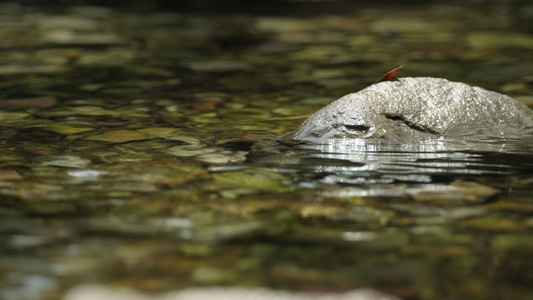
125,135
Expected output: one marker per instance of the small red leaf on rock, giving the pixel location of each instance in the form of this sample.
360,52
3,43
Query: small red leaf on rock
390,76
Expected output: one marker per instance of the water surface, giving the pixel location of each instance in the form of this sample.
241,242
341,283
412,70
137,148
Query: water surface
125,135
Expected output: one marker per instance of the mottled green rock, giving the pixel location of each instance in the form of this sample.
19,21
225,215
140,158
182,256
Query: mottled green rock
118,136
492,224
67,161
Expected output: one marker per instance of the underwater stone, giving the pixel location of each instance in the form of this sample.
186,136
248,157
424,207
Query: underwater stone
65,161
413,108
118,136
93,291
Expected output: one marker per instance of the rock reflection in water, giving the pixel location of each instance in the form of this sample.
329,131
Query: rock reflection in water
401,160
379,168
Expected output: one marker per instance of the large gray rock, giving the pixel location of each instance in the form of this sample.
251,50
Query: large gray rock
414,108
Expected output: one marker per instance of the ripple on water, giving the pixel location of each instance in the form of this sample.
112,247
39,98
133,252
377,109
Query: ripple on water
379,168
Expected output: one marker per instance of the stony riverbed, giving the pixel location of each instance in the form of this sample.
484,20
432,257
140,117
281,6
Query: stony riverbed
124,137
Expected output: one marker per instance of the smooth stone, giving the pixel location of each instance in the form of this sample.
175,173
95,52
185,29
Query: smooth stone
93,12
415,108
27,286
218,66
65,129
509,242
93,291
13,116
67,21
36,102
66,161
189,150
207,275
9,175
85,175
403,25
163,132
223,157
492,224
456,192
494,40
283,25
118,136
63,36
32,69
111,57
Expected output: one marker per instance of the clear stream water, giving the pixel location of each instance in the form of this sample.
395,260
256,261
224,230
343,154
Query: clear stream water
125,139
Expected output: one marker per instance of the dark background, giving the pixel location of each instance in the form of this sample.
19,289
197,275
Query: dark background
521,10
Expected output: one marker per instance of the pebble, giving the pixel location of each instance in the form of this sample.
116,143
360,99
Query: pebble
218,66
32,69
118,136
223,158
37,102
494,40
514,207
93,12
9,175
456,192
64,128
189,150
279,24
110,57
28,286
85,175
512,242
167,132
67,21
92,291
213,276
403,25
66,161
491,224
69,37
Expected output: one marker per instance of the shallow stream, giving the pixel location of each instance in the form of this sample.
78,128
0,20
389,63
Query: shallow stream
125,135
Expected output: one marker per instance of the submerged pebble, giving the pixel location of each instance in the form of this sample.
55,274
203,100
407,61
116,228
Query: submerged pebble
86,292
86,175
190,150
38,102
456,191
224,157
491,224
66,129
218,66
66,161
9,175
118,136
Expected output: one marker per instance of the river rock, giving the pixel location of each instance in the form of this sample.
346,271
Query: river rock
410,109
92,291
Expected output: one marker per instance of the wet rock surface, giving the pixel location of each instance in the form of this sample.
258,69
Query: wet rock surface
124,134
410,109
